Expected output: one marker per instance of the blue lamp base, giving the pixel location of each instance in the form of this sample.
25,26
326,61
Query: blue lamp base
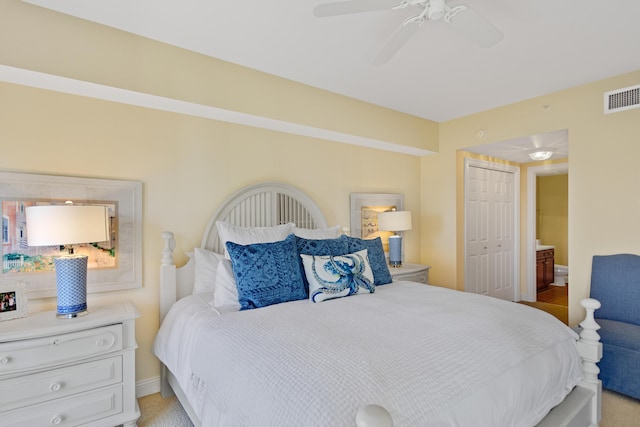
395,251
71,278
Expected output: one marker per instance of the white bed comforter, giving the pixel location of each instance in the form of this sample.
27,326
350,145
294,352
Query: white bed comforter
431,356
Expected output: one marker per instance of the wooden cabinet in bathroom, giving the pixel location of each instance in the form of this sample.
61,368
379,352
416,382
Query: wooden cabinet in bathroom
544,269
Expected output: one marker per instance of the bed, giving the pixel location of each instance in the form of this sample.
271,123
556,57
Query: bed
394,354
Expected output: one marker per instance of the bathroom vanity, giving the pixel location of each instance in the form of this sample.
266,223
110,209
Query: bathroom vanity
544,267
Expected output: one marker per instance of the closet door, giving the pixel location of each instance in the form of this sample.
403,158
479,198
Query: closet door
489,232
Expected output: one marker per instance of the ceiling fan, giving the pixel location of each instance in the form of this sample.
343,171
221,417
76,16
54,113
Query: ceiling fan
461,17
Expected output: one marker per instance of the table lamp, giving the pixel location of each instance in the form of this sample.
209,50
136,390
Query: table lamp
66,225
395,221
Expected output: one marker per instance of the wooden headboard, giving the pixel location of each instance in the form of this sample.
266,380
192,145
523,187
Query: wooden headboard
259,205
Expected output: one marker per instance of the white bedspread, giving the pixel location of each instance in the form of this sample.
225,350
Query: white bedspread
431,356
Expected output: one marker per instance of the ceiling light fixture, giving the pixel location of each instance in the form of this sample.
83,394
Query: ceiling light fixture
540,154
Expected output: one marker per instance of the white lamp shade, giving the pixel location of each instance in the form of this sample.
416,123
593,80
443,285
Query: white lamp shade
394,221
66,224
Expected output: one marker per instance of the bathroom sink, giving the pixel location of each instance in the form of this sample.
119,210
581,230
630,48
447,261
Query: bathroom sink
544,247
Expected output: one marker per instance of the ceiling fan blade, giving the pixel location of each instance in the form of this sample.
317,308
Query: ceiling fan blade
403,33
476,28
353,6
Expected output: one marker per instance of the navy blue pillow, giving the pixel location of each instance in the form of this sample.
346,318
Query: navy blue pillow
322,247
319,247
267,273
381,274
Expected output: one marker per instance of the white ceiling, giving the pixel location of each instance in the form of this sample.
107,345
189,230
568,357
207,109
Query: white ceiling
517,150
548,45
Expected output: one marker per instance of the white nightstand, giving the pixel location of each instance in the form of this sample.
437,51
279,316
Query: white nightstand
69,372
411,272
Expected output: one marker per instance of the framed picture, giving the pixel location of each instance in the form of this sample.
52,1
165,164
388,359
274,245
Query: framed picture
364,214
13,301
115,264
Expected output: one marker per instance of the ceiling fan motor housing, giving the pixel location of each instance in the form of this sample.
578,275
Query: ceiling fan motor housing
436,9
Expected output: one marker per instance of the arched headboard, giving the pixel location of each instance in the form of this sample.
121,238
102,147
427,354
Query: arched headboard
264,205
259,205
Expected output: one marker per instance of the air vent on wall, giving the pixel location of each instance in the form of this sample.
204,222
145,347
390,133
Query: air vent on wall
622,99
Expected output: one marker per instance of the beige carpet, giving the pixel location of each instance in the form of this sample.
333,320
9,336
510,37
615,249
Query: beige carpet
617,411
159,412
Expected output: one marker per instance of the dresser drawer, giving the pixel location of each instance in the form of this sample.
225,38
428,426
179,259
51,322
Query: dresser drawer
37,388
40,353
545,253
68,411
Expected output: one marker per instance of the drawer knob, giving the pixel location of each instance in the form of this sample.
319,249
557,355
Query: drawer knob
4,361
55,386
55,420
100,343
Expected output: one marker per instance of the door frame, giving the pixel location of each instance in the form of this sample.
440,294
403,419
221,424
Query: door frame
533,172
501,167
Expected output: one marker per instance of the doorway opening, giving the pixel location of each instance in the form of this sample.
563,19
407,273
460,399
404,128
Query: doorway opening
555,289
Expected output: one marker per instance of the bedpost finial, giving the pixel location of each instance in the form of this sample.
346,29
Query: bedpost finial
590,303
373,416
589,345
589,325
169,246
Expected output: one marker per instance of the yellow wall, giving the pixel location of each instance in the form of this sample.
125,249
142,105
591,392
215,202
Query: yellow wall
187,165
603,178
552,214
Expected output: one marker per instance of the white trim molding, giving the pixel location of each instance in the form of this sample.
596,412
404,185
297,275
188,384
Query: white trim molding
147,387
51,82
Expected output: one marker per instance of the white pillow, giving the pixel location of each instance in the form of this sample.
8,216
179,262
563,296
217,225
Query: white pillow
317,233
338,276
250,235
205,270
225,293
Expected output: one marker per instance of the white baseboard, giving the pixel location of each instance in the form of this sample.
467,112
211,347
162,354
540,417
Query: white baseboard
147,387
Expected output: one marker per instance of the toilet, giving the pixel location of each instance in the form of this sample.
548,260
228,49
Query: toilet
560,275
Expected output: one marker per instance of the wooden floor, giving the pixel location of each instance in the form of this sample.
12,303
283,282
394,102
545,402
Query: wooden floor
555,295
554,301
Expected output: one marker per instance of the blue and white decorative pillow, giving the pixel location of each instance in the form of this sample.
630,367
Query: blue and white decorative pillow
266,273
316,247
338,276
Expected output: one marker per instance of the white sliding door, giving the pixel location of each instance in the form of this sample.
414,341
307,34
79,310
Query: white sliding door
491,199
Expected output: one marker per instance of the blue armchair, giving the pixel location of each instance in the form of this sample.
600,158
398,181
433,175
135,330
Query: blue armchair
615,282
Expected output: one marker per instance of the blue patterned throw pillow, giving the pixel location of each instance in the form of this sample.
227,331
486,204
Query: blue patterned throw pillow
266,273
338,276
378,261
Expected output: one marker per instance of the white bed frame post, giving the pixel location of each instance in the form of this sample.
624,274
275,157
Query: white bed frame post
167,295
590,349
